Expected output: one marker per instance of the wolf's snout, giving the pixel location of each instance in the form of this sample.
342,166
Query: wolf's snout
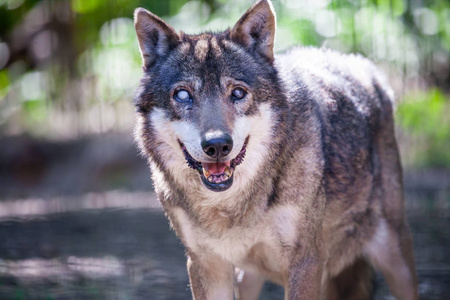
217,146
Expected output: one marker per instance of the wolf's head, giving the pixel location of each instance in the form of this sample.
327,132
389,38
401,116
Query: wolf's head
207,99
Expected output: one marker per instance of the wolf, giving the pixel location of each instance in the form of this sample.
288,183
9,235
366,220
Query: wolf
273,167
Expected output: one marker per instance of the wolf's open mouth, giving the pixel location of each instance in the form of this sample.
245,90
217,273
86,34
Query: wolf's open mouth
216,176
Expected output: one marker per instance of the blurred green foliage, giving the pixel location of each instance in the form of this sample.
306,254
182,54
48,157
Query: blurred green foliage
424,115
69,67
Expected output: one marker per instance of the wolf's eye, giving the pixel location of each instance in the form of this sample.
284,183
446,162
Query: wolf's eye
182,96
238,94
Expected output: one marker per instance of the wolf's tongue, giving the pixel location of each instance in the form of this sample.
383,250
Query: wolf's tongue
216,168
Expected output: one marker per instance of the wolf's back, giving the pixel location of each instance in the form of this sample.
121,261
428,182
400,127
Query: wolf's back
354,104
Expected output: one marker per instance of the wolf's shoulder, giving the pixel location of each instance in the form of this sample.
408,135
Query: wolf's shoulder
320,73
319,60
321,65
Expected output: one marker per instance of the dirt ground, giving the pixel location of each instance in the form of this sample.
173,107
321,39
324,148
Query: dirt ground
79,220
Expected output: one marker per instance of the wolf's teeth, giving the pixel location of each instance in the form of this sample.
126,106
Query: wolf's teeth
228,172
218,178
206,173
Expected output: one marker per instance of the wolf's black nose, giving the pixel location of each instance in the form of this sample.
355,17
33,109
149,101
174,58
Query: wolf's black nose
217,146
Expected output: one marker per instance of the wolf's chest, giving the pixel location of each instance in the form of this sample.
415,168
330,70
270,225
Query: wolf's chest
259,246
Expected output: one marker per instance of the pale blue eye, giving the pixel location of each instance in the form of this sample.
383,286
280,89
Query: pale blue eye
238,94
182,96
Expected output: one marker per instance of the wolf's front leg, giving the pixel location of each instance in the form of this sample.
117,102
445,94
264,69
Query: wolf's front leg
211,277
304,279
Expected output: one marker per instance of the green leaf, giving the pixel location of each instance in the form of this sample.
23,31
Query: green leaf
4,84
85,6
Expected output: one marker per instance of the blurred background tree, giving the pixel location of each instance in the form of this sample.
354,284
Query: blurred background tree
69,68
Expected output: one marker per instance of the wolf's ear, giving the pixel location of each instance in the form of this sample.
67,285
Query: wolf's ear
256,29
156,37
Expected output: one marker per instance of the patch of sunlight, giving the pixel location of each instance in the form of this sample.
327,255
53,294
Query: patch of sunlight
37,207
96,267
32,86
328,23
190,17
117,32
11,4
90,267
426,20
